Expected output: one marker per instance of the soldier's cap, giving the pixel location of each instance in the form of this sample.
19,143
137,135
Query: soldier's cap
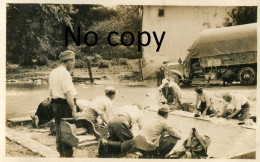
226,95
199,90
109,90
67,55
164,110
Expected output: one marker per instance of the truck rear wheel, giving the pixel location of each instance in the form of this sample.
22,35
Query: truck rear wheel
247,76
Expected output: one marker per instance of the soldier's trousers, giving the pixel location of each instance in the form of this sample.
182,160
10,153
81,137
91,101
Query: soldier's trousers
62,110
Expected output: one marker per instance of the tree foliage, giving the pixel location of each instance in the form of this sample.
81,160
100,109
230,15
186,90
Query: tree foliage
128,18
241,15
36,31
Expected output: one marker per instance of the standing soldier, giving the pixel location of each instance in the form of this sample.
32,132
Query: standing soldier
63,95
160,74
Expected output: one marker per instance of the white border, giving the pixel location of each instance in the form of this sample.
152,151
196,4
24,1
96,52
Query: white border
147,2
106,2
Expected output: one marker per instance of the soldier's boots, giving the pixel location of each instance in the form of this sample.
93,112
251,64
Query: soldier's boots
109,147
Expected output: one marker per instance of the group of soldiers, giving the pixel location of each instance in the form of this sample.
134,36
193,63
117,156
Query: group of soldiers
125,128
236,106
125,131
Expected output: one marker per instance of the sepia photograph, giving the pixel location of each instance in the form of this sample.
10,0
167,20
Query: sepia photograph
131,81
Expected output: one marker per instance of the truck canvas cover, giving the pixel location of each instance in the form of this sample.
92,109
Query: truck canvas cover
226,40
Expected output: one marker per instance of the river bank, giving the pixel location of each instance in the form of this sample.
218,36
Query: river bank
127,72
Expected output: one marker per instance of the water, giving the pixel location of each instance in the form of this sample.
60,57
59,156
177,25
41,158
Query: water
22,99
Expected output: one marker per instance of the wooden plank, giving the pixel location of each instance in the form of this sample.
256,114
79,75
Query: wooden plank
216,120
80,131
32,145
85,138
248,155
19,121
67,134
88,143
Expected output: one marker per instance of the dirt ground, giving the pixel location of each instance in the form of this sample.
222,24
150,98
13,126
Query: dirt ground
14,149
114,72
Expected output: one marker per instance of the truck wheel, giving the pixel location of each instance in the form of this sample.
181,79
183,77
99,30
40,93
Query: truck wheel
247,76
175,77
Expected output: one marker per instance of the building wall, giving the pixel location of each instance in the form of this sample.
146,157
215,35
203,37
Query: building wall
182,25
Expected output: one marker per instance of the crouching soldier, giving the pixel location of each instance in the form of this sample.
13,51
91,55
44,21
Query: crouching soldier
171,93
158,137
239,104
44,113
100,106
122,128
206,106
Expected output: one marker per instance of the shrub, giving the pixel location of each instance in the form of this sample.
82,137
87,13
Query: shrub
122,61
103,64
52,64
80,64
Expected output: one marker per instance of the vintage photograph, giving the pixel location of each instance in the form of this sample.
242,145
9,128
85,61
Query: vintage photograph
131,81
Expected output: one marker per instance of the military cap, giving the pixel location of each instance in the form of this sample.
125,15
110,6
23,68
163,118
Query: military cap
67,55
164,109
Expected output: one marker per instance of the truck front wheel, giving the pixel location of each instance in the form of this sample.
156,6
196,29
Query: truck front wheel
247,76
175,78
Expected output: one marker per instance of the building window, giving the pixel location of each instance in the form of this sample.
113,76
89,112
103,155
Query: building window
161,13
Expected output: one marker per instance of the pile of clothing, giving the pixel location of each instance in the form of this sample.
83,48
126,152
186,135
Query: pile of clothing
195,147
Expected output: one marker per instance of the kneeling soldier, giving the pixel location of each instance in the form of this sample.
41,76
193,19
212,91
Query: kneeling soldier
158,137
122,128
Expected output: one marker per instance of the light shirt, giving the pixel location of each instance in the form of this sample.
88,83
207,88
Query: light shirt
176,88
204,97
135,115
83,104
148,138
238,100
102,105
60,82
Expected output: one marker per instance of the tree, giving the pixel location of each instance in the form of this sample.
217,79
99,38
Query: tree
37,31
34,32
127,18
241,15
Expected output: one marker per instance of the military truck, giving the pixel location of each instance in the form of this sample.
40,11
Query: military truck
227,54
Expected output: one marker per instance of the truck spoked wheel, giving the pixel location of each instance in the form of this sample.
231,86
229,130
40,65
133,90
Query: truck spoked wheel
247,76
175,77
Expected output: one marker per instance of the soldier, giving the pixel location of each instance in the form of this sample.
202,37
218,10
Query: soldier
43,114
206,106
100,106
240,107
171,92
157,138
122,128
63,95
160,74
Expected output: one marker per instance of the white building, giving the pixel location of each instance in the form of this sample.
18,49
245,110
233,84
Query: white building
182,25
